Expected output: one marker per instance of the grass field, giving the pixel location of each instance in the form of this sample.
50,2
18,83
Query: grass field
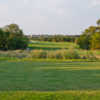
51,45
48,76
49,79
41,80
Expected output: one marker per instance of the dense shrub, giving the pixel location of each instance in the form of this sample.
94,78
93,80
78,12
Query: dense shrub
58,54
14,54
39,54
84,41
89,55
72,54
43,54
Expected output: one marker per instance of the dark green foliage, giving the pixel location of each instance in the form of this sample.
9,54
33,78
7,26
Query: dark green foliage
90,39
84,42
98,22
4,40
12,38
95,41
17,43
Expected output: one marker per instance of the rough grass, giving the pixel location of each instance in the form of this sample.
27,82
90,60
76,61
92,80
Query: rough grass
68,95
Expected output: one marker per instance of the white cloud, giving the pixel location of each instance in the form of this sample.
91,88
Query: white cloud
95,3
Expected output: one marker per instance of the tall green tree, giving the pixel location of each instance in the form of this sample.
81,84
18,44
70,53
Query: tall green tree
90,39
14,29
4,39
95,41
12,38
98,22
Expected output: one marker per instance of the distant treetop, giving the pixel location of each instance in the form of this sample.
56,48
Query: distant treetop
98,22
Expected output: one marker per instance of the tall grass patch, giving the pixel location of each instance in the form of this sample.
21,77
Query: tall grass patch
58,54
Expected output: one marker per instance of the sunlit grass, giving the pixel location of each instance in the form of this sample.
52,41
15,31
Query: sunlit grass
52,45
61,95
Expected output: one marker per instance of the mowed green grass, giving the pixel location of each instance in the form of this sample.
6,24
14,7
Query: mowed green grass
49,76
51,45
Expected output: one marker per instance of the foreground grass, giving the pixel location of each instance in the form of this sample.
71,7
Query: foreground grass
49,76
70,95
49,80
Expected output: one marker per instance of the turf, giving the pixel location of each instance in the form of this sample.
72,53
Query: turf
52,45
49,76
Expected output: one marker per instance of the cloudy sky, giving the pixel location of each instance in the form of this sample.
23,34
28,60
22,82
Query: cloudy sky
50,16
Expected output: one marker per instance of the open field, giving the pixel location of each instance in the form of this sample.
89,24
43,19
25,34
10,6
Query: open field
41,80
51,45
23,78
49,76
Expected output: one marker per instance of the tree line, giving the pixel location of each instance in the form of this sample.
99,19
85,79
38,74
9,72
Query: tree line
13,38
54,38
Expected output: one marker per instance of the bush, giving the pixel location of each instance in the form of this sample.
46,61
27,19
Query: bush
91,56
72,54
39,54
58,54
84,42
14,54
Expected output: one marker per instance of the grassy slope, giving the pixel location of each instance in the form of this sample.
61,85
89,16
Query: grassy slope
49,76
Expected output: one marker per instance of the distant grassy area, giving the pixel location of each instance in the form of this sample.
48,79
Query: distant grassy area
51,45
43,45
49,76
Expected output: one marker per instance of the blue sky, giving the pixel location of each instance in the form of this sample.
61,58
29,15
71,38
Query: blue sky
50,16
